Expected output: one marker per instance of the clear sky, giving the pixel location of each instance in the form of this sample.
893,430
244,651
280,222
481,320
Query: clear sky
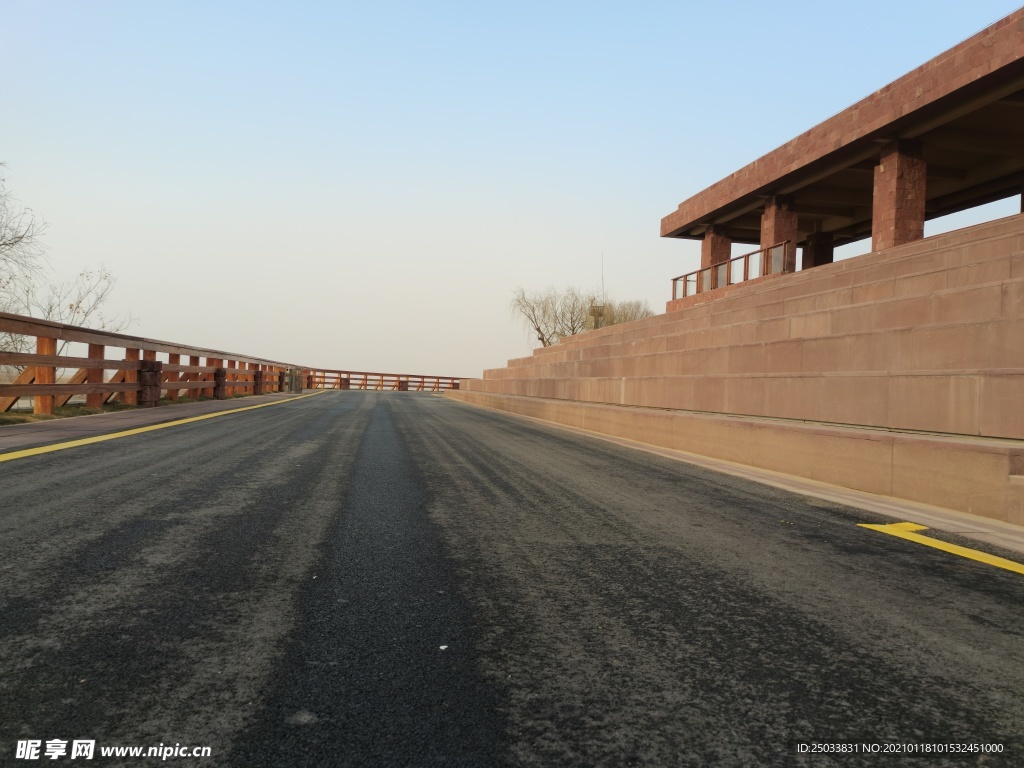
362,185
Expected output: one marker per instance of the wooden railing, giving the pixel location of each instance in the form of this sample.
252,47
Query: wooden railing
773,260
399,382
146,371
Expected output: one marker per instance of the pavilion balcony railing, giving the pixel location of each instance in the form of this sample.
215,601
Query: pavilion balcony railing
773,260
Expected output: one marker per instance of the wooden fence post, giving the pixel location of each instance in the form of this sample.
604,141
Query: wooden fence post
95,376
211,362
258,386
194,394
45,374
131,397
173,376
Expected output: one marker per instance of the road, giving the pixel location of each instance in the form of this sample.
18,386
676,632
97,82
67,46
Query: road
396,579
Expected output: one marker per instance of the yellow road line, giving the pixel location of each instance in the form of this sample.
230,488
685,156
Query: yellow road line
139,430
908,531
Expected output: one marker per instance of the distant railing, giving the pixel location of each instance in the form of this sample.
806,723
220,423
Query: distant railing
397,382
775,259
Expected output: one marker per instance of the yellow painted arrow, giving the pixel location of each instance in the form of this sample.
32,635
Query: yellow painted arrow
908,531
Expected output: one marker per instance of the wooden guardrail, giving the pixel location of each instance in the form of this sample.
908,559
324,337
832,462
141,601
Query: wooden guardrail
139,378
399,382
147,370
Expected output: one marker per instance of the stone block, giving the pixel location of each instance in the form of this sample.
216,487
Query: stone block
951,348
1017,265
826,354
1002,405
1006,340
810,325
920,285
746,358
709,394
793,397
902,313
967,305
1012,300
952,476
774,330
935,403
770,310
745,395
857,319
989,249
871,292
907,262
782,356
861,400
710,436
848,459
980,273
873,352
804,304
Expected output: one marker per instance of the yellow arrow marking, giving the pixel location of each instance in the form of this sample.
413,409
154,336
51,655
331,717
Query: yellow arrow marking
139,430
908,531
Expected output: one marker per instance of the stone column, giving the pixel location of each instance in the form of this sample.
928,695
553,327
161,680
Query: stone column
779,224
818,250
897,215
220,381
150,381
714,248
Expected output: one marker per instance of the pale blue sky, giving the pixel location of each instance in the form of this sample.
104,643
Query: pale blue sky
363,185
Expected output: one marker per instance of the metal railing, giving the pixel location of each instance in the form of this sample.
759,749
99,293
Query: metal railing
775,259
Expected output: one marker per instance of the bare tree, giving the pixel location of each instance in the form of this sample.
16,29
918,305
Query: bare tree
574,311
625,311
72,302
25,288
552,315
538,311
20,247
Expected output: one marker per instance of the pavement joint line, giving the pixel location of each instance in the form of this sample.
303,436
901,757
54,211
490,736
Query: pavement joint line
26,452
909,531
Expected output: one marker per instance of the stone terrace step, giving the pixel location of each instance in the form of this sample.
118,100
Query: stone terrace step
981,256
977,326
969,289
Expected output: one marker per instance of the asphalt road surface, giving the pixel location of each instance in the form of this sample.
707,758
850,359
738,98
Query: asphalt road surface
393,579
